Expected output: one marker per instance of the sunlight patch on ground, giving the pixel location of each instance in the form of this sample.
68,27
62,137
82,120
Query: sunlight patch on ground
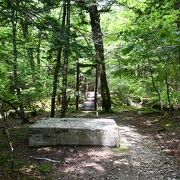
46,149
129,136
121,161
93,165
150,122
104,154
85,167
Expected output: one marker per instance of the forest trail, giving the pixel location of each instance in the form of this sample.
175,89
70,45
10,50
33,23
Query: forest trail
88,104
138,158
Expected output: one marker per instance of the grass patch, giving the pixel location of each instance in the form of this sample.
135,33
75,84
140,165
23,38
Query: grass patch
18,132
81,112
19,164
29,178
75,111
167,124
4,159
6,163
4,144
116,108
148,109
122,147
44,168
104,112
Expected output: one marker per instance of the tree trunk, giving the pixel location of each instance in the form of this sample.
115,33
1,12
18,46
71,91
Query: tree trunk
155,87
177,6
57,67
168,91
38,48
64,104
15,66
24,25
98,44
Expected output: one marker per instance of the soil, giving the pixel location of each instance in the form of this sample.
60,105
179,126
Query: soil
149,150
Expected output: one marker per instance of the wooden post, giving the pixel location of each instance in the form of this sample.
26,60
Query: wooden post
87,87
96,90
77,88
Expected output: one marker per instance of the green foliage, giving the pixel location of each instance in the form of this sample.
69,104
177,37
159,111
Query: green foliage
146,47
127,50
141,44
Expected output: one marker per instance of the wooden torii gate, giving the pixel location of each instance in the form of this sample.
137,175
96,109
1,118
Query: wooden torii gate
78,82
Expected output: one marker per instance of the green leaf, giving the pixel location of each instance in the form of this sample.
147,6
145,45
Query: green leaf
127,50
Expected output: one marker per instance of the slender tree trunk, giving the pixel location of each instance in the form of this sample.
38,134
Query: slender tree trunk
55,82
168,91
38,48
15,65
98,44
155,87
65,65
57,67
31,58
24,25
177,6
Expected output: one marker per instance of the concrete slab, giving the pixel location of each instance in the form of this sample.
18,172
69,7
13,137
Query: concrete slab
74,131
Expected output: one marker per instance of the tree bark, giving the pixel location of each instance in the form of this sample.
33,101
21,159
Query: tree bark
15,66
38,48
12,106
177,6
168,91
64,104
155,87
24,25
57,67
98,44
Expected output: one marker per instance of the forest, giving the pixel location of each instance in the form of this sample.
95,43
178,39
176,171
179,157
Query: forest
53,52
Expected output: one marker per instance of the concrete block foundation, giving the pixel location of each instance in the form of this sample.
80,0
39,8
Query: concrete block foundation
74,131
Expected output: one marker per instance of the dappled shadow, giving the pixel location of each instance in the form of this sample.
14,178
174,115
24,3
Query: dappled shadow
138,157
90,162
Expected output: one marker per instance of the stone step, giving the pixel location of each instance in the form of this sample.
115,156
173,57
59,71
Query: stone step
74,131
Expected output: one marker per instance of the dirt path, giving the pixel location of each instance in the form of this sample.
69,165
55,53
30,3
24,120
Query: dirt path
138,157
141,155
88,104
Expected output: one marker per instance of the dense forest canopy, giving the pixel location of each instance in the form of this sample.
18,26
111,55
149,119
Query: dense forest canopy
134,42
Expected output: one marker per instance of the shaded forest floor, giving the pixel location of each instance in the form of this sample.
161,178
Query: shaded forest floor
149,149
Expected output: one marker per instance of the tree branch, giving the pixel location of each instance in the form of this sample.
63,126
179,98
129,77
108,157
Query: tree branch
10,104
